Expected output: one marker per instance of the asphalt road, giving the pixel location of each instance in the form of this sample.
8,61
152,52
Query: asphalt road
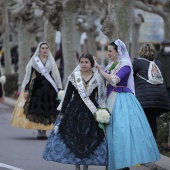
20,150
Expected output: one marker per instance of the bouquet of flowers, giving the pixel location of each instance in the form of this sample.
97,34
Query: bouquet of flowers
3,79
102,116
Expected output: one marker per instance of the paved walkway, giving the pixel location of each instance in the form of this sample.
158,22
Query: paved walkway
162,164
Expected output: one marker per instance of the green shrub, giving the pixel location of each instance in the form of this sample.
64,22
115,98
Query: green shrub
163,134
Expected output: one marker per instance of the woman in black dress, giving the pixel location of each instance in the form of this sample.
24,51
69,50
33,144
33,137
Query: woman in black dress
41,85
80,141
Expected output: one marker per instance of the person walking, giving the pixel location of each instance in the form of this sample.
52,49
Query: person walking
149,85
2,82
130,139
78,139
164,57
36,106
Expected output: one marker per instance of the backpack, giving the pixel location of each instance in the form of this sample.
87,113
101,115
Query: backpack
154,73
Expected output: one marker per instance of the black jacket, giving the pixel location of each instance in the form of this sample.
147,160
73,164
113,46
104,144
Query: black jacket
153,98
164,58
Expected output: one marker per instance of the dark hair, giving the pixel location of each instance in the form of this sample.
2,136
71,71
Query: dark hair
88,56
114,46
43,44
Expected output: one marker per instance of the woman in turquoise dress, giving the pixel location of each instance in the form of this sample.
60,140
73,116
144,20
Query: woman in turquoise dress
130,139
77,139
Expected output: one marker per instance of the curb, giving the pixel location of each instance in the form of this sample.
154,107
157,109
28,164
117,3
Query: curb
163,163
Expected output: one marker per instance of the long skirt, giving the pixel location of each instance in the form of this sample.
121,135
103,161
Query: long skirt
130,139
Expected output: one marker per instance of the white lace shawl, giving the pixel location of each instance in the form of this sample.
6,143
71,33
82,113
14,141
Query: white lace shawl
124,59
96,81
50,66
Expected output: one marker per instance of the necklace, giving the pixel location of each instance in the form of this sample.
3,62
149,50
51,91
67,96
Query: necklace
86,83
43,60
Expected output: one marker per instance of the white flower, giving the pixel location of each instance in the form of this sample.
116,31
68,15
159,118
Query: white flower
3,79
60,94
102,116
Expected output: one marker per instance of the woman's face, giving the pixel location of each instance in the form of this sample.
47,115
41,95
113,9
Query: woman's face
112,53
85,64
44,50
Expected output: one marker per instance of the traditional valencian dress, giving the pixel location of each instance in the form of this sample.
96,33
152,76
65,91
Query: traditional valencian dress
130,139
78,139
42,80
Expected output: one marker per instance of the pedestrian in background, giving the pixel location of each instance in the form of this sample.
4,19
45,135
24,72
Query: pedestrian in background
164,57
39,88
130,139
2,93
149,86
2,82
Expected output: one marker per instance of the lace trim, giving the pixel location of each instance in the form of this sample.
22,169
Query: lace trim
48,66
31,64
115,80
110,101
40,119
96,81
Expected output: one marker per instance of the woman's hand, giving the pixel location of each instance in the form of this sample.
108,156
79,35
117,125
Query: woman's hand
26,95
99,67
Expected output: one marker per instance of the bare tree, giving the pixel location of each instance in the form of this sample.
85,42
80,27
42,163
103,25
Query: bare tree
159,7
24,14
118,19
62,15
137,20
49,35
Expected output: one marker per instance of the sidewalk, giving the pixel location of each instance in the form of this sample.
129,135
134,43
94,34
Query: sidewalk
162,164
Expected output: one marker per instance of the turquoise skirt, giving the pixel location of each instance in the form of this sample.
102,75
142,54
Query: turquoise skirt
130,139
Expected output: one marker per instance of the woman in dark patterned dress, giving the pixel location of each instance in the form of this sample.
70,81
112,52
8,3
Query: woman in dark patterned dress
41,84
77,139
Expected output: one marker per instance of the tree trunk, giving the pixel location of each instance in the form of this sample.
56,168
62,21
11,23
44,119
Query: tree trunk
77,46
91,43
137,20
6,38
125,20
24,43
113,10
49,36
121,13
69,53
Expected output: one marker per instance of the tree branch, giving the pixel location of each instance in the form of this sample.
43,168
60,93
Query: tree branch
150,8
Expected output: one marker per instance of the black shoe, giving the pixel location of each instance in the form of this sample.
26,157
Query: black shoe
39,138
44,137
126,168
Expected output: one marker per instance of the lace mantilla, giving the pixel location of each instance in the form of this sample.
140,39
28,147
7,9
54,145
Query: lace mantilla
50,66
96,81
